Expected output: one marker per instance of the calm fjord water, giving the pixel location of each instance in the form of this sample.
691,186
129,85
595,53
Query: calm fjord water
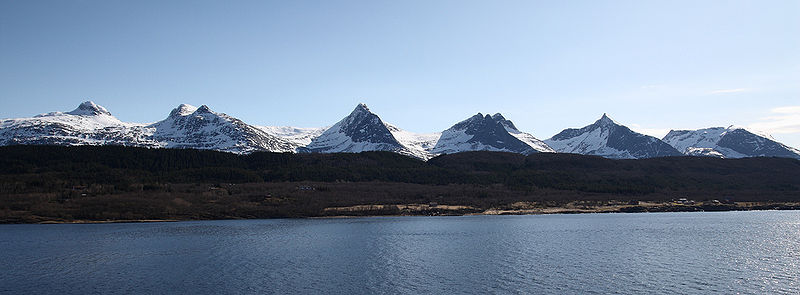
669,253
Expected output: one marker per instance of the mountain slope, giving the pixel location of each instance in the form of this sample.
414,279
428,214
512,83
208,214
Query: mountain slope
731,142
487,133
527,138
609,139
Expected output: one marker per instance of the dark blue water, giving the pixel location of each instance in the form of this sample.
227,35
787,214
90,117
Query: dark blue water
668,253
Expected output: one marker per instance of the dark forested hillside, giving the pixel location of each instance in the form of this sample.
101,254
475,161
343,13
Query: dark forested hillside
481,178
44,168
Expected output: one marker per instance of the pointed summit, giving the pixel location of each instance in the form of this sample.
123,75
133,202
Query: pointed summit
361,107
89,108
605,120
360,110
360,131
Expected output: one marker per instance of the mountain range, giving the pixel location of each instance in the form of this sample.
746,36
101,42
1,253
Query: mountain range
192,127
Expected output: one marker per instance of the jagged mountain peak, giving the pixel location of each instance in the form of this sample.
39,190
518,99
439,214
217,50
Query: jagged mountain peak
203,109
507,123
89,108
360,110
360,116
606,121
477,121
487,133
201,128
361,107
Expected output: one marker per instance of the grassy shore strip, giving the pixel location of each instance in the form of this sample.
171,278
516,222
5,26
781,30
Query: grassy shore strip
106,221
528,208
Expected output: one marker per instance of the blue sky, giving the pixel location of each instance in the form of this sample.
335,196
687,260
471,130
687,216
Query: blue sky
421,65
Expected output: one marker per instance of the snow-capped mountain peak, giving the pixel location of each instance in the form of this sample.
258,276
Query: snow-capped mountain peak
607,138
507,123
362,107
203,109
730,142
202,128
359,131
605,121
89,108
183,110
487,133
89,124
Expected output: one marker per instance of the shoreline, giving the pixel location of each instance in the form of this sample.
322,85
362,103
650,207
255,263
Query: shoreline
519,208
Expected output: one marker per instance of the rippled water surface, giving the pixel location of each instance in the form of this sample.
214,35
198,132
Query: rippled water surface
698,253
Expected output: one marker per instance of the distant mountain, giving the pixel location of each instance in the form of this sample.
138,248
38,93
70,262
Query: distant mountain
296,135
419,144
487,133
89,124
185,127
200,128
361,131
731,142
609,139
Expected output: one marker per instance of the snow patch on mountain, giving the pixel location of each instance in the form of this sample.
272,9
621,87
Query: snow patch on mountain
297,135
418,144
703,152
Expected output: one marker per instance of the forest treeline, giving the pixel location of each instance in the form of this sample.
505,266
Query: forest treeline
51,168
62,184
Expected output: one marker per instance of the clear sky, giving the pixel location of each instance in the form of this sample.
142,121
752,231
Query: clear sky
421,65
